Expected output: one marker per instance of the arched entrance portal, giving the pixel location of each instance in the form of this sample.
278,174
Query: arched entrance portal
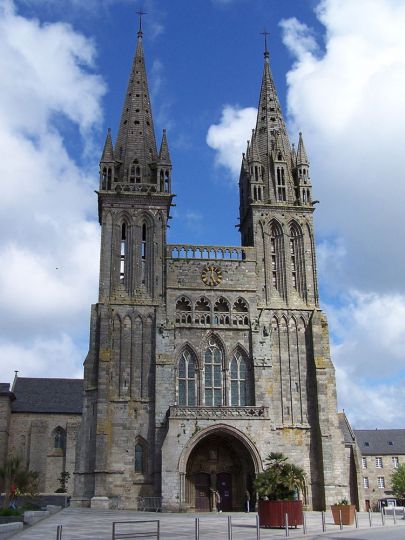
219,461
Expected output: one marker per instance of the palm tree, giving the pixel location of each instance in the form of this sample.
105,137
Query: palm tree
16,478
280,480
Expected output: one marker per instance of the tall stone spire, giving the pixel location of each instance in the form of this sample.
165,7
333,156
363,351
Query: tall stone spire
108,151
270,125
302,158
136,143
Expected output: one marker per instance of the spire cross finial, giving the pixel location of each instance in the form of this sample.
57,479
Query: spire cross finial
140,13
266,50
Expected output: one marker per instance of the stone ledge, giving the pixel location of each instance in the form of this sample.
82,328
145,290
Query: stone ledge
9,529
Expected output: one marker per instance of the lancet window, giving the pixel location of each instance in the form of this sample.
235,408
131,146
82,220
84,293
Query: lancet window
123,252
59,438
187,380
239,381
213,383
281,185
140,458
277,259
297,259
144,249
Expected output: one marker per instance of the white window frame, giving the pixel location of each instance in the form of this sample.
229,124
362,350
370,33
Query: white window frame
366,483
378,462
395,462
380,482
364,462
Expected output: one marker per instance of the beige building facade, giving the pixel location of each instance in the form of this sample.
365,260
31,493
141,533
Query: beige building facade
382,451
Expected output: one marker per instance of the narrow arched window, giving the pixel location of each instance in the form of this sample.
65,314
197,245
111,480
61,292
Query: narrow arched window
132,174
162,180
297,259
138,175
240,394
143,252
59,438
213,375
123,251
109,178
139,458
281,188
277,259
167,181
104,178
187,380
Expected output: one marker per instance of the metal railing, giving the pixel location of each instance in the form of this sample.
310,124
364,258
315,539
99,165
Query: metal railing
146,529
149,504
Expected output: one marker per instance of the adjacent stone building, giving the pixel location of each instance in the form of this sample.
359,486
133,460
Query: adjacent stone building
39,421
204,359
382,451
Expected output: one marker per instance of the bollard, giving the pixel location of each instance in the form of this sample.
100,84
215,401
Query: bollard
340,520
257,527
59,532
197,528
229,528
382,517
356,519
369,516
395,518
304,523
287,532
323,521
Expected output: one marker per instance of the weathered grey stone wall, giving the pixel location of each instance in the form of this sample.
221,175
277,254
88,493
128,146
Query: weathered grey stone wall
32,439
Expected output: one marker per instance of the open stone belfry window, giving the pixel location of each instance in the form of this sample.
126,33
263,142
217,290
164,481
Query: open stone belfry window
281,186
183,311
202,311
123,251
277,260
221,311
239,379
297,259
187,380
213,384
143,253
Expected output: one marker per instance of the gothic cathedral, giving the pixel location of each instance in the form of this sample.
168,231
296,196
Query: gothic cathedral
204,359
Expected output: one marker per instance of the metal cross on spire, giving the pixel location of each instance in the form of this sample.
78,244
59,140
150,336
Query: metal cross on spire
266,50
140,13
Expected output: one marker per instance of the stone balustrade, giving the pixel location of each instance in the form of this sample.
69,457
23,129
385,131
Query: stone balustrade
217,413
215,253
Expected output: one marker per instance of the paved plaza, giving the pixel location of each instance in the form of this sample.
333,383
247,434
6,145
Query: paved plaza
86,524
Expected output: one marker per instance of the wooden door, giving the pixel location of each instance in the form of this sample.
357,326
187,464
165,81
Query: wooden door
202,492
224,486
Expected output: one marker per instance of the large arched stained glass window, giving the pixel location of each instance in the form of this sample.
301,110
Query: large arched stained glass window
213,375
240,381
187,380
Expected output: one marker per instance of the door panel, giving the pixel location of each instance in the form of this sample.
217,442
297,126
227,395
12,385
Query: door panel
202,492
224,486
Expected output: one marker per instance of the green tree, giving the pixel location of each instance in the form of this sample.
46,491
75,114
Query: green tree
15,480
280,480
398,481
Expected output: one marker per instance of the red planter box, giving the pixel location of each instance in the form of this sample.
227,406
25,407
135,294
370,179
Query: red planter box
272,513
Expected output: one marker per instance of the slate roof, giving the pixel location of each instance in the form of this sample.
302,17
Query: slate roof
345,428
380,441
48,395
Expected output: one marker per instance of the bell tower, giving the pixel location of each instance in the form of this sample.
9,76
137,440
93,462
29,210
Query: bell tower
134,200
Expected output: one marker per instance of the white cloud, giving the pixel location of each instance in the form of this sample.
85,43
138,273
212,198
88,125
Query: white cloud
348,102
49,236
230,135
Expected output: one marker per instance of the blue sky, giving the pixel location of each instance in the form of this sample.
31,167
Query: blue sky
339,68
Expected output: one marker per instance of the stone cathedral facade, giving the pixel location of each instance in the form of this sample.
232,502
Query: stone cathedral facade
204,359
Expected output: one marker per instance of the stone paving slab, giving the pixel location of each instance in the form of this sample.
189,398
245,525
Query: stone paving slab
86,524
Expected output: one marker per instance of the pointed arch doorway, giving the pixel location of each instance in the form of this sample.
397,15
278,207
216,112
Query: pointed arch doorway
219,461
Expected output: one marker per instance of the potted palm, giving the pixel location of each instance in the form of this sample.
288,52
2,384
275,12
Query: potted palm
278,488
343,512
